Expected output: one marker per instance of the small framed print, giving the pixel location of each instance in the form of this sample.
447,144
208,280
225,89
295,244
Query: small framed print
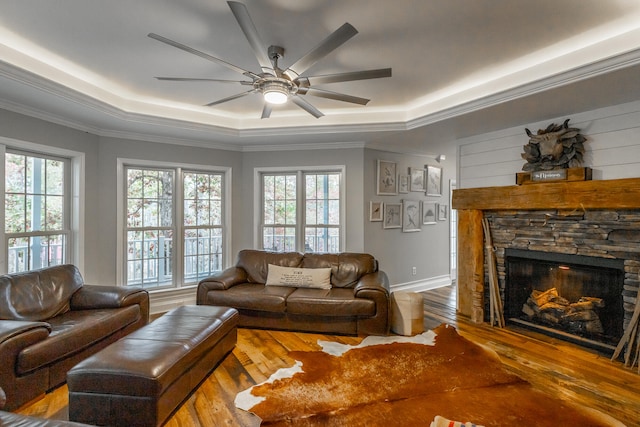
392,217
417,179
403,183
386,178
434,181
375,211
429,210
442,212
411,216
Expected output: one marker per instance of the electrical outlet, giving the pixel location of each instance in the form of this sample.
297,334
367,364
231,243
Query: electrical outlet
413,271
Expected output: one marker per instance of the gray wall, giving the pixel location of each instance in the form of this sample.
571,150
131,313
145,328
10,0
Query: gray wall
398,252
31,130
613,150
350,158
111,149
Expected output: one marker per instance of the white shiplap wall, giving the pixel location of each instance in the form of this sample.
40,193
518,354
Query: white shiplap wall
612,149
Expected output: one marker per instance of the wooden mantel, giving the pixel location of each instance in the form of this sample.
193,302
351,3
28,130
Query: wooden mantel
471,202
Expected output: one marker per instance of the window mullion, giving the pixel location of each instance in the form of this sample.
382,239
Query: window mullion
178,227
301,209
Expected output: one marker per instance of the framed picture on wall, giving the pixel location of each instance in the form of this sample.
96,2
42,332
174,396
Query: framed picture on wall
417,179
410,216
392,217
375,211
386,178
434,181
428,213
442,212
403,183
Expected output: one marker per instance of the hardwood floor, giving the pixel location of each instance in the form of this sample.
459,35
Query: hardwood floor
560,369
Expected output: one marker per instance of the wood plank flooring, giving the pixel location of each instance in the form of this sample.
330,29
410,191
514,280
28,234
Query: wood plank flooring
560,369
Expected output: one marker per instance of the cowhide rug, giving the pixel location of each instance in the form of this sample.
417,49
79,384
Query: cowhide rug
407,383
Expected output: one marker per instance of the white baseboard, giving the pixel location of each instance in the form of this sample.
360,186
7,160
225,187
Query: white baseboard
423,285
163,301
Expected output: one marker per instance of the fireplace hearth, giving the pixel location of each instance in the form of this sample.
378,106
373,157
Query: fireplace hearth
576,298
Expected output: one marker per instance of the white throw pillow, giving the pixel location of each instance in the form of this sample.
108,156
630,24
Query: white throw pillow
319,278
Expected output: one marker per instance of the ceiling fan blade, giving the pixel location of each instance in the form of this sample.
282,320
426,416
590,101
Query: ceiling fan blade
345,77
306,106
251,33
337,38
190,79
334,95
230,98
266,110
203,55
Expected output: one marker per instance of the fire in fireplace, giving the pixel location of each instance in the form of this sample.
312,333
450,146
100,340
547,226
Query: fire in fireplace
575,297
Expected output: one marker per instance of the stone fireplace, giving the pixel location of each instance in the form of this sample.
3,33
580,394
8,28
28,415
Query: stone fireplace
596,221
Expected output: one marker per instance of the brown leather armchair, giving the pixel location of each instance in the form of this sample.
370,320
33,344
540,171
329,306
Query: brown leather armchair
49,321
356,304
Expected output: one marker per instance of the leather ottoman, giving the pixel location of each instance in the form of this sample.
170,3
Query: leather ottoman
144,377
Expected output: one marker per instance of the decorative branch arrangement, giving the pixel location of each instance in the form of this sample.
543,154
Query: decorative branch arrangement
630,340
495,303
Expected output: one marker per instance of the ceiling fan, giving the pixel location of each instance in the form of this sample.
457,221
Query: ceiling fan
275,84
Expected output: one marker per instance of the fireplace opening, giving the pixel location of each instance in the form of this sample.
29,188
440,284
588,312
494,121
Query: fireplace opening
572,297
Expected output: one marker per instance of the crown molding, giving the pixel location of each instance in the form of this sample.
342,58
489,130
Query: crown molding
574,75
238,139
46,116
305,146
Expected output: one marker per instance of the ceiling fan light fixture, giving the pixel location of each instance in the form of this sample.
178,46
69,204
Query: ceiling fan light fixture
275,93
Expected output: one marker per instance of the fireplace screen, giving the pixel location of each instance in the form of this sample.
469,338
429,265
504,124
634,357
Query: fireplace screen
576,296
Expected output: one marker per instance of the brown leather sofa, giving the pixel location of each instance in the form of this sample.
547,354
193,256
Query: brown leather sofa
356,304
50,321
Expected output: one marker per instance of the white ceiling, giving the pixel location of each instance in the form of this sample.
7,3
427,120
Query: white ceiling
459,66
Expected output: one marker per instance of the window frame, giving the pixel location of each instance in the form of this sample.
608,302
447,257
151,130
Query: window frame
300,173
74,196
178,221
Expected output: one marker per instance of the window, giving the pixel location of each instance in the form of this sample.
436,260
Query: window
305,218
174,225
37,210
150,227
202,224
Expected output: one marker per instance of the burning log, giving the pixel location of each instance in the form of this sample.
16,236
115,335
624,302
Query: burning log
579,317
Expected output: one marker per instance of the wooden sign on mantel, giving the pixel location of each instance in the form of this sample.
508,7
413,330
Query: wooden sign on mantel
537,177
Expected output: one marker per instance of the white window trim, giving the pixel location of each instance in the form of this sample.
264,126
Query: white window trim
76,198
120,209
257,196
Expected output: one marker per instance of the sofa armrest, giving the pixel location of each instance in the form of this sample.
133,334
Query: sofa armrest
374,286
94,296
15,336
220,281
24,332
372,282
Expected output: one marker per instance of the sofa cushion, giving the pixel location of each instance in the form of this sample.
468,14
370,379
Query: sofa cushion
335,302
346,268
252,296
256,263
38,295
319,278
73,332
